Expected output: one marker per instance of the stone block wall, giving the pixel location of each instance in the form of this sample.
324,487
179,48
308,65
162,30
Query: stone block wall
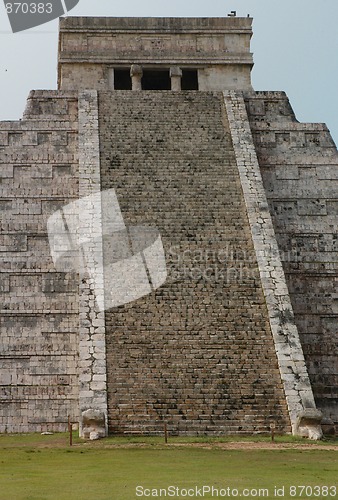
39,306
299,166
197,353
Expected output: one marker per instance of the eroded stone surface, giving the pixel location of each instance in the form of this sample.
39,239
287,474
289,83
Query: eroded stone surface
198,352
308,424
297,387
215,350
299,167
93,424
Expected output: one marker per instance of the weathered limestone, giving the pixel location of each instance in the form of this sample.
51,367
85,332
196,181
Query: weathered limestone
198,352
39,305
92,352
246,204
93,424
289,352
176,76
308,424
299,167
136,73
218,48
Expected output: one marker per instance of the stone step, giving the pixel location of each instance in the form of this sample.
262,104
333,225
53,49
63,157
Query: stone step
186,184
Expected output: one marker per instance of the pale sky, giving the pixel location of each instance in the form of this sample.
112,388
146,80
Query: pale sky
295,46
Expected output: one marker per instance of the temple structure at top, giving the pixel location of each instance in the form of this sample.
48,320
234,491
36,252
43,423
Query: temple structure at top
155,53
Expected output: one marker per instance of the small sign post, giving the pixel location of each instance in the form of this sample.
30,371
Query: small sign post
70,430
165,432
272,428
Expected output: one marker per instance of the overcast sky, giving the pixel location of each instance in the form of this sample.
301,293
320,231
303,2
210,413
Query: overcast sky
295,46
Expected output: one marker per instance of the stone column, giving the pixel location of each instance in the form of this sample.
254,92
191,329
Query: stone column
136,73
176,78
111,79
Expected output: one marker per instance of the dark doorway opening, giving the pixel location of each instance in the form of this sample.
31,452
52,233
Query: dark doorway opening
156,80
122,79
189,79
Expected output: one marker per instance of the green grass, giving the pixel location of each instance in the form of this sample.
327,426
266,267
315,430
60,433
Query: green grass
34,467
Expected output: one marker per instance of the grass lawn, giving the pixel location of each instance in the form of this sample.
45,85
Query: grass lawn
35,467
